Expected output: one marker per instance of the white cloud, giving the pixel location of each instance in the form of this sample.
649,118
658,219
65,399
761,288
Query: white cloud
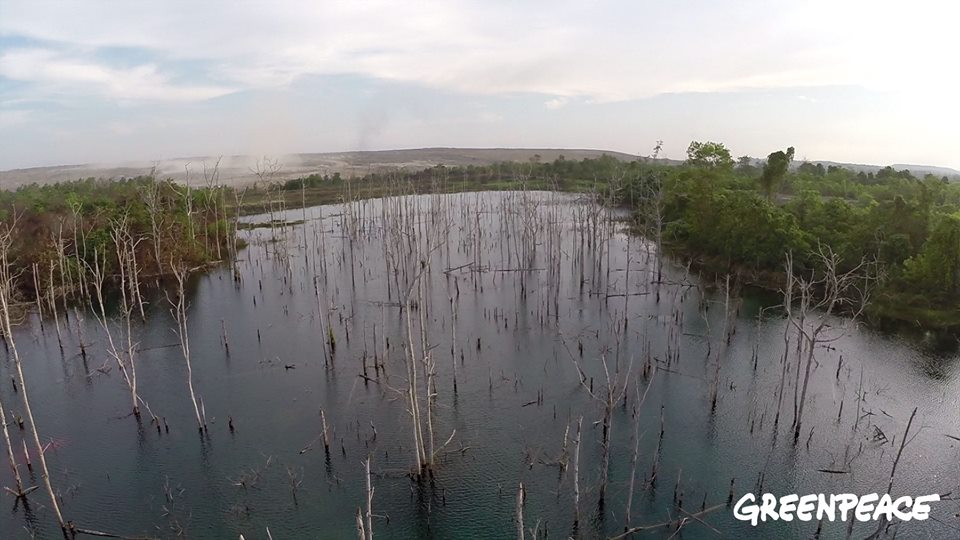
15,117
555,103
62,73
605,51
899,57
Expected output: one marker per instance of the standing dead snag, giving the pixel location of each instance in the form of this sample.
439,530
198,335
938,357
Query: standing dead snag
179,311
614,389
369,502
838,288
576,475
6,291
788,309
729,325
652,209
152,196
11,458
636,442
125,250
520,534
904,441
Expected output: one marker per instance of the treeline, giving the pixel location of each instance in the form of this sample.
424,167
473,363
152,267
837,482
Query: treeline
65,234
744,215
740,216
747,216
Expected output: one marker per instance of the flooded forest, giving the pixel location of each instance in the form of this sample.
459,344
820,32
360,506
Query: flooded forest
523,363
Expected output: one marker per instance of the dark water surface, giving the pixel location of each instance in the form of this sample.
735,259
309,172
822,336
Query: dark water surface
123,477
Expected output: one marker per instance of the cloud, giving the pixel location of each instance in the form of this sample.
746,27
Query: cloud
603,51
16,117
673,70
61,73
555,103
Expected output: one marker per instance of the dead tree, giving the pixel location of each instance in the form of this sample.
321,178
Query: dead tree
822,295
123,349
11,459
636,442
653,212
904,441
788,309
7,279
520,534
576,475
615,386
152,196
179,311
369,502
123,358
211,178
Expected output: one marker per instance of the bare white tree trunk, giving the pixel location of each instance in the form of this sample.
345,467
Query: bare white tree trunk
6,290
520,533
11,458
179,309
369,503
576,475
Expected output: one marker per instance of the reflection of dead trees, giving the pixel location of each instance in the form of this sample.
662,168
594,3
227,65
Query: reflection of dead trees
7,279
729,327
636,443
179,311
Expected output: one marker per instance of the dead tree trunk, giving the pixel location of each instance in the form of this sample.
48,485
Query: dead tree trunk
6,290
11,458
839,288
179,310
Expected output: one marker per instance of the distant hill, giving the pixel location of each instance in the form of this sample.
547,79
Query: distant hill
917,170
239,170
924,169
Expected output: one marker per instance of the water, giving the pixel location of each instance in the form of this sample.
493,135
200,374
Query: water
123,477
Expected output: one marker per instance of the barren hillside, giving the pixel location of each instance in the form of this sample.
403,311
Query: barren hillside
238,170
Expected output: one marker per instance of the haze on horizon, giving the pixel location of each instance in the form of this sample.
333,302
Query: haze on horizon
856,81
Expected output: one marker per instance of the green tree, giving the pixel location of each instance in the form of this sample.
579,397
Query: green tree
709,155
778,163
746,167
937,267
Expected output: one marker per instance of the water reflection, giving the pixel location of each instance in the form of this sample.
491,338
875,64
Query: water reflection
517,393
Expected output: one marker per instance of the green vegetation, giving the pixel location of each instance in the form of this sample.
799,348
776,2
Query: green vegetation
746,219
65,231
741,216
738,216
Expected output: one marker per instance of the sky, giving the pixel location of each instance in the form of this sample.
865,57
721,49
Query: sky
844,80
